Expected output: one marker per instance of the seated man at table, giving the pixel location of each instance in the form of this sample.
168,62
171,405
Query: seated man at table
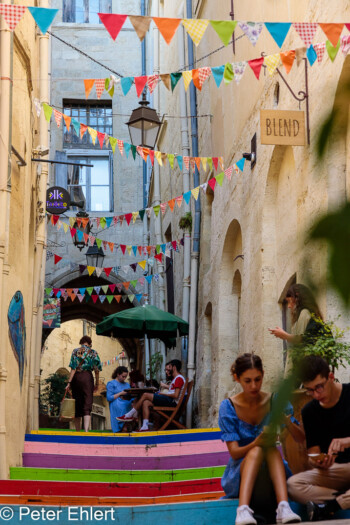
149,400
326,419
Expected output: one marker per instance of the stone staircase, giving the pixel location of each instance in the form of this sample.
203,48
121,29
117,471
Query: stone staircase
130,478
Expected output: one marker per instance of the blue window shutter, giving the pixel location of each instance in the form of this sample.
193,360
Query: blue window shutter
61,170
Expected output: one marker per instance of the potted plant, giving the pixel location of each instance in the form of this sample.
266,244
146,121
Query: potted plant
185,223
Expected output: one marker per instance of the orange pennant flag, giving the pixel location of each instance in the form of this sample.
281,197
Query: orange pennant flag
167,27
179,200
67,120
126,285
89,84
195,78
332,32
171,204
198,162
111,246
83,128
287,59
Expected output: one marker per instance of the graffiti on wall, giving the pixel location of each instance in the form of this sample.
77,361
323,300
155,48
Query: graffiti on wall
17,331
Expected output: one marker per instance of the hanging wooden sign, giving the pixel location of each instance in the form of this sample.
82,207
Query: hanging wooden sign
282,127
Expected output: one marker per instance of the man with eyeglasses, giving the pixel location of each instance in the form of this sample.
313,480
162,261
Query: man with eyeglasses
326,419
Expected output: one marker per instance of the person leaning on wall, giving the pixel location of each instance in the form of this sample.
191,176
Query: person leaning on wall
84,360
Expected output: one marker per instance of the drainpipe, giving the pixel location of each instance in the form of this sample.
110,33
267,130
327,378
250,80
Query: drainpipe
144,179
186,283
5,192
156,181
40,254
196,229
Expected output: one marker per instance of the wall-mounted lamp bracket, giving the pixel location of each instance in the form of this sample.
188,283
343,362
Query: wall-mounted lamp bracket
251,157
303,95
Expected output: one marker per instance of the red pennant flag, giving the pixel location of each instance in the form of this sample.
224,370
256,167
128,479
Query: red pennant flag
123,248
112,287
332,32
12,14
215,162
57,259
94,298
151,155
256,66
100,86
174,243
107,271
159,257
55,291
212,183
101,138
347,26
140,83
128,217
54,219
73,231
140,249
113,23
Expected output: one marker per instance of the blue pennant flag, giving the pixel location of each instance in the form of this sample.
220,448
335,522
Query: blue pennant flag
127,148
311,55
43,17
163,247
139,296
76,126
82,291
278,31
179,161
240,164
109,221
134,249
187,197
126,84
149,278
218,73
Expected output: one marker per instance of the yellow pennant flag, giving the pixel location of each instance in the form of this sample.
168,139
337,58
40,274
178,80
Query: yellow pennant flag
93,134
187,76
129,248
158,156
135,214
195,192
142,264
272,62
195,27
91,270
72,221
204,163
65,227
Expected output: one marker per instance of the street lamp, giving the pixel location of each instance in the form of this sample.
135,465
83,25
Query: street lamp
78,238
95,256
144,125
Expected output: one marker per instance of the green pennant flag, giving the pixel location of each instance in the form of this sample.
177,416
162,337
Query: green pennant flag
220,178
174,77
105,288
228,73
111,91
171,158
224,29
332,50
48,291
141,214
134,282
131,297
158,248
210,162
156,210
113,143
110,297
133,151
98,242
103,223
47,111
90,290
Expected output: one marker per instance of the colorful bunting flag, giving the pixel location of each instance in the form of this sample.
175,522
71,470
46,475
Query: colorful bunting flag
332,50
167,27
306,31
238,70
140,83
252,30
187,76
43,17
113,23
256,66
272,62
278,31
195,27
12,14
320,49
152,82
332,32
141,25
224,29
88,83
287,59
218,74
100,86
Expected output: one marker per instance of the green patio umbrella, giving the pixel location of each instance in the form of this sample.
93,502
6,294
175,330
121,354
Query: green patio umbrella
144,321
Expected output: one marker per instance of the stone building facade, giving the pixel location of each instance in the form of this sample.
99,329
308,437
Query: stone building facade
23,62
253,234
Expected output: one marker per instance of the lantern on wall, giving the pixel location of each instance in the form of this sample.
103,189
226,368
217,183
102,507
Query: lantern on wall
82,225
144,125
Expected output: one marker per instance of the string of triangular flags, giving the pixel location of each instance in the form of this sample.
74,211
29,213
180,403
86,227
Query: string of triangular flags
88,294
226,72
113,360
98,270
106,222
195,27
89,239
105,140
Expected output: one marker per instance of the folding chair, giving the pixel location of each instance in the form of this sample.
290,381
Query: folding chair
172,414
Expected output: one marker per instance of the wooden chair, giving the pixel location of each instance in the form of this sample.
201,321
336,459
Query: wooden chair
172,414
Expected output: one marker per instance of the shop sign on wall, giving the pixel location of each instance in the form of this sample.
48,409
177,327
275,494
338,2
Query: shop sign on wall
57,200
286,128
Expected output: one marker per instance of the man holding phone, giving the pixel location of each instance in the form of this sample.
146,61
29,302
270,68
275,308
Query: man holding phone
326,419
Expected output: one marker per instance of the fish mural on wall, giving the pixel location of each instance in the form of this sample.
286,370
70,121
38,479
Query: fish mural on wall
17,331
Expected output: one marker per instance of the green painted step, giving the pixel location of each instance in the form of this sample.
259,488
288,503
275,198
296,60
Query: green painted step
115,476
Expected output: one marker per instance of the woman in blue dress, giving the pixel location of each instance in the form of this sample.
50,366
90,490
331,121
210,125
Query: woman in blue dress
116,389
242,419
